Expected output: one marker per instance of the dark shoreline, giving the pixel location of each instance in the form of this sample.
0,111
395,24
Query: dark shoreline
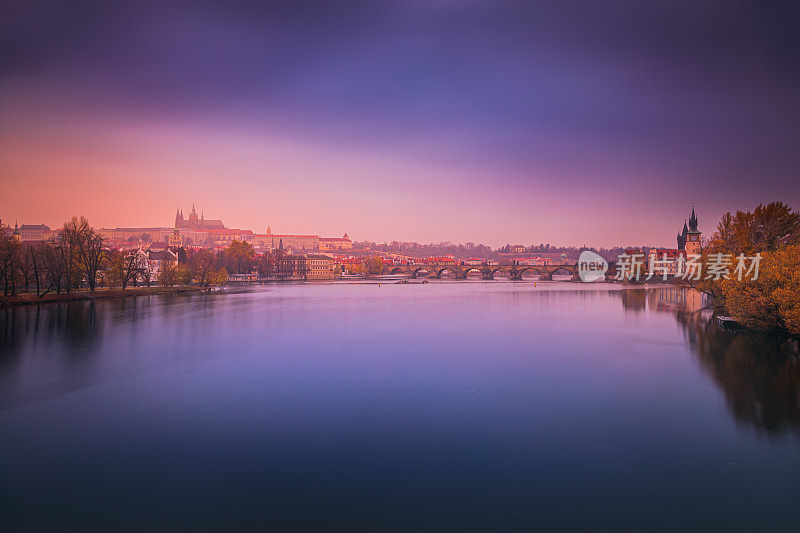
32,299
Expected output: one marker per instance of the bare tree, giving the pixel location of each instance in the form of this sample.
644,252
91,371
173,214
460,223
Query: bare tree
9,262
266,265
134,265
34,253
53,265
25,266
71,236
92,254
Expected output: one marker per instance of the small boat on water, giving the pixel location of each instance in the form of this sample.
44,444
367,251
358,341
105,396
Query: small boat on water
726,322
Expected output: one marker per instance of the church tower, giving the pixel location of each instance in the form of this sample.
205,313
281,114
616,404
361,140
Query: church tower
179,222
693,236
193,218
682,237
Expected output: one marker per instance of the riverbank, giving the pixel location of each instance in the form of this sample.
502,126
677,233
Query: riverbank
51,297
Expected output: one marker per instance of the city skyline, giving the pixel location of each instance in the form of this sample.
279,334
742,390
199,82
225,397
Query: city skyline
428,122
190,221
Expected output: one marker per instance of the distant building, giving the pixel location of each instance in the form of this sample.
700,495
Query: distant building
136,234
689,239
157,259
196,223
223,237
518,249
175,239
440,261
330,244
319,266
34,232
551,258
295,243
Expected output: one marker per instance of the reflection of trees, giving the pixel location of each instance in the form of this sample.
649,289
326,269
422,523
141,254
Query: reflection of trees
634,299
759,374
70,324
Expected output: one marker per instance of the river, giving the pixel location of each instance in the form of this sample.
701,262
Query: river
446,406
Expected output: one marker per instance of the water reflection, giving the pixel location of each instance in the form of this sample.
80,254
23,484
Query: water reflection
445,406
759,374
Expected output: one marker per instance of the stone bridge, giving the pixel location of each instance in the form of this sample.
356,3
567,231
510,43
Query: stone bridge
512,272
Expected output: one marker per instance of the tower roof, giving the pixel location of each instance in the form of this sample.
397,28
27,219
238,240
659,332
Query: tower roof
693,221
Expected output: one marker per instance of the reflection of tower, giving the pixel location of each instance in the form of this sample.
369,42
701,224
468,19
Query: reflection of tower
693,236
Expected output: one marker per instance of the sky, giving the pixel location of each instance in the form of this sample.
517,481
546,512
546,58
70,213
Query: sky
570,123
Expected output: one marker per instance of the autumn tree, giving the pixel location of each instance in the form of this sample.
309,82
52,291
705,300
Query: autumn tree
217,276
167,274
201,263
373,266
771,301
764,229
238,257
183,275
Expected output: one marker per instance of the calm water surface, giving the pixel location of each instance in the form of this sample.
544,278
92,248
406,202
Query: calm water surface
450,406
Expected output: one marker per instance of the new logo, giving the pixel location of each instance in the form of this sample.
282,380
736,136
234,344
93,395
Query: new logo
591,267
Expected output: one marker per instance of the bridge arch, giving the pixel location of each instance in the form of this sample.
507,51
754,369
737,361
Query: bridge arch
416,270
453,270
504,269
531,269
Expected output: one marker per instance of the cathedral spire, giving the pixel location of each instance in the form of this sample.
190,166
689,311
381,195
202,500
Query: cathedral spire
693,220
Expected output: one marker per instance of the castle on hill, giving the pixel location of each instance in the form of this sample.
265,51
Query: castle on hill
195,223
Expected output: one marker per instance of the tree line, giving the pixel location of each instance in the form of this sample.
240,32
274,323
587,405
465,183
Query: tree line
77,258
